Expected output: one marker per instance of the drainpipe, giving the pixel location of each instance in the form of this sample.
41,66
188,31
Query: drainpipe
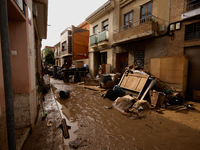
7,75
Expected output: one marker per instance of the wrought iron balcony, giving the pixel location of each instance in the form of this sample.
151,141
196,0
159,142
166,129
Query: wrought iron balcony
142,28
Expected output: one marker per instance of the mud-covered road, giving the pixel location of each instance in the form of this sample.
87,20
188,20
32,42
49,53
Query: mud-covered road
98,128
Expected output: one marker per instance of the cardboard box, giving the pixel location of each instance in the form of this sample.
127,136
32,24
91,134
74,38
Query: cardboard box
79,64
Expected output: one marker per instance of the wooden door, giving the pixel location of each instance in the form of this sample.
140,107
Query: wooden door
121,61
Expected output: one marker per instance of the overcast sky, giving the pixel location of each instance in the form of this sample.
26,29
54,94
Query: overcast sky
64,13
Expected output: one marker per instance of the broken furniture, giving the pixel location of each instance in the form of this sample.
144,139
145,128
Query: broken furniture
157,98
171,70
136,84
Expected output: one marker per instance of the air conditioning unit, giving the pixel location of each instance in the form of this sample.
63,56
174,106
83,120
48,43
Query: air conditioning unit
172,27
162,28
35,12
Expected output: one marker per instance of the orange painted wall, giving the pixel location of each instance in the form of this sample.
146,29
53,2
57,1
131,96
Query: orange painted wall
80,45
19,63
84,25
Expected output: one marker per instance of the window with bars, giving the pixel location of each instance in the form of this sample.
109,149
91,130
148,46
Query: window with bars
193,4
146,11
192,31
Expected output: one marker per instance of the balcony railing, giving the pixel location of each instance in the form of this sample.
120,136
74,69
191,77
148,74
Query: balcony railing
102,36
93,39
141,28
21,4
191,5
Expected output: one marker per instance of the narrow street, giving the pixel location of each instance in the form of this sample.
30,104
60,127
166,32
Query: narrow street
101,75
95,127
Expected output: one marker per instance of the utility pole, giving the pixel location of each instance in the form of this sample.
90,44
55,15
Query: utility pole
7,75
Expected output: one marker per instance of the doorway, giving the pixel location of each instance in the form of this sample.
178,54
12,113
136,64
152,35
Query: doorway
193,82
121,61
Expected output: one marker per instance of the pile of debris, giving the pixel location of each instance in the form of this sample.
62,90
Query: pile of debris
137,91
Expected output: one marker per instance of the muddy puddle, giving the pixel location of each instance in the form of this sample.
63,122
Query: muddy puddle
95,127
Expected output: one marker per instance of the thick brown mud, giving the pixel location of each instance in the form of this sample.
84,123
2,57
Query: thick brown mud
95,127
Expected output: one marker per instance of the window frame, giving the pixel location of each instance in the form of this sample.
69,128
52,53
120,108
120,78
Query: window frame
194,33
146,11
129,20
65,42
105,27
95,27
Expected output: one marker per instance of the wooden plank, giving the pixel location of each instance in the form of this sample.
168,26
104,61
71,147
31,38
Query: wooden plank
155,67
185,77
93,88
65,128
171,69
148,88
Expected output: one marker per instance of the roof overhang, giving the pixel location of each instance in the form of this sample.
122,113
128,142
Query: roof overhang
101,11
42,14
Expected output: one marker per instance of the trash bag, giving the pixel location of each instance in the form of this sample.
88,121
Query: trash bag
114,94
175,100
